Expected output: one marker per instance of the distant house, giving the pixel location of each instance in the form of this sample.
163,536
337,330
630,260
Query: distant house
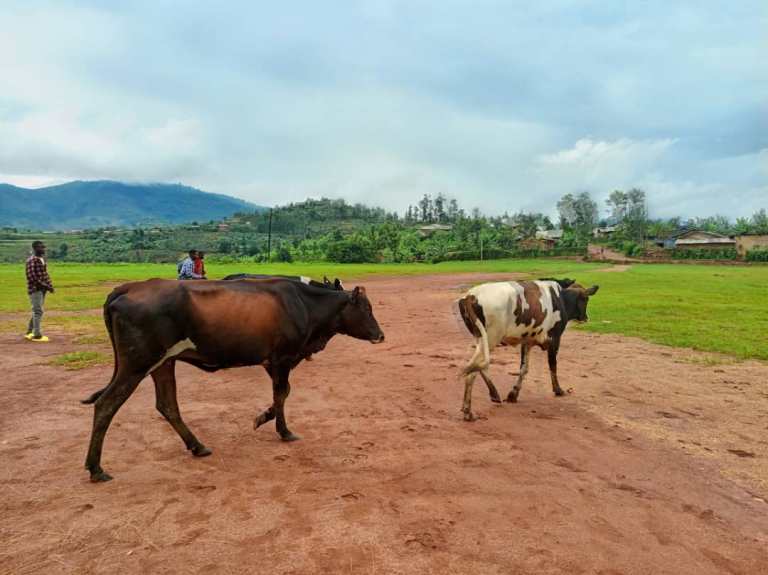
699,239
549,238
430,229
604,231
223,227
749,242
535,244
662,242
549,235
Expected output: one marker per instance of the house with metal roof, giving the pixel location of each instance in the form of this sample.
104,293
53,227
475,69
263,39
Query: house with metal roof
700,239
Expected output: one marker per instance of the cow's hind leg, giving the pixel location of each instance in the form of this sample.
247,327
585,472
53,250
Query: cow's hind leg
477,363
105,408
552,357
167,404
469,380
280,390
515,391
492,391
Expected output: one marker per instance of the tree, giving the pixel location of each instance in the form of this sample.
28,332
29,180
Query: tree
578,213
617,202
453,210
425,205
284,254
440,208
635,218
61,252
760,222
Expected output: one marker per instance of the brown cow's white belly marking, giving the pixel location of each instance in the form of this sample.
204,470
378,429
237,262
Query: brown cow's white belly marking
176,349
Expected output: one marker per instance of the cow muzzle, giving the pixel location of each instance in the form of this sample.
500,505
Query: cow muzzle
378,339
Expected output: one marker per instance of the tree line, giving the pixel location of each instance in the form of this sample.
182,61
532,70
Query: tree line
334,230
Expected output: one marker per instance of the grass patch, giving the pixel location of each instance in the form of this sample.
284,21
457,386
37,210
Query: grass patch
710,360
14,326
719,309
92,339
83,326
85,286
704,307
80,360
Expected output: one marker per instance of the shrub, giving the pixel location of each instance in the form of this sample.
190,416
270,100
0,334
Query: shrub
349,251
704,254
631,249
284,254
758,255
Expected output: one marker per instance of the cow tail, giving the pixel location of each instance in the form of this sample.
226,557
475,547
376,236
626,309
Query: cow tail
484,340
108,323
474,318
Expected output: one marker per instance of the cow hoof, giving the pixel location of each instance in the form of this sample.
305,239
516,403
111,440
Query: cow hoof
289,437
469,416
201,451
100,477
559,393
261,420
496,399
511,398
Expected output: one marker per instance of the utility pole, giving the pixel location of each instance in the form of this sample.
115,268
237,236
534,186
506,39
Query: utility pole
481,247
269,238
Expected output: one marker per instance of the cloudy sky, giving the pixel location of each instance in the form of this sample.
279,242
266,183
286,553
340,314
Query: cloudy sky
501,105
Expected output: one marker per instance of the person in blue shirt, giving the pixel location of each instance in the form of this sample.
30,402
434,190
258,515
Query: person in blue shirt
186,267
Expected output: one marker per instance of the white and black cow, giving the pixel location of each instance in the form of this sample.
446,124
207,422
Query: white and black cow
522,313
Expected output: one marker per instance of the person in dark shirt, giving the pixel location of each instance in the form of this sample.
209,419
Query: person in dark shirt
38,284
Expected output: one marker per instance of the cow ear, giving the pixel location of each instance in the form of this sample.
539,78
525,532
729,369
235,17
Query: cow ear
355,294
337,284
592,290
568,282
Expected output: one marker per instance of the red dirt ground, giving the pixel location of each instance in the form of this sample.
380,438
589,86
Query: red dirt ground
653,464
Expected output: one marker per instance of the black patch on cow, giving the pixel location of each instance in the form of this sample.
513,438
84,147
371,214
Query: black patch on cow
470,310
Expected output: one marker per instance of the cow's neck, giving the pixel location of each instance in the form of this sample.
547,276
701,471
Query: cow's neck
324,309
569,303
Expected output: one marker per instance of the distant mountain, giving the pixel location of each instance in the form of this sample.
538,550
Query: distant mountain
80,205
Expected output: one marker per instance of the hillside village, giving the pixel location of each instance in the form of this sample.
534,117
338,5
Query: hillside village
432,230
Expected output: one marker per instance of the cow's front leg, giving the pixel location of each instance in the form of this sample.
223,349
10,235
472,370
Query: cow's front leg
492,391
515,391
552,357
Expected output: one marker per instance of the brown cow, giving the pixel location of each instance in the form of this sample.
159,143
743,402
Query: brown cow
217,325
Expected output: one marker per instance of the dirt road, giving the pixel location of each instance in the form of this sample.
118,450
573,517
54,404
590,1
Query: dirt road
655,463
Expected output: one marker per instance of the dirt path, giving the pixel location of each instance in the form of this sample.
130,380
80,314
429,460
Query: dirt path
644,468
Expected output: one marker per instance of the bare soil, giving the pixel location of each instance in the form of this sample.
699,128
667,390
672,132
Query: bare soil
654,463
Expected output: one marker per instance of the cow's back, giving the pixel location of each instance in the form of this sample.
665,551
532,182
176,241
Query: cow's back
518,312
237,322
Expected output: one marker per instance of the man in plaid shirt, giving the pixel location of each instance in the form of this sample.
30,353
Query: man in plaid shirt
38,284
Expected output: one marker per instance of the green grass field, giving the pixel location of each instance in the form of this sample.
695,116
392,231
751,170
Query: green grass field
710,308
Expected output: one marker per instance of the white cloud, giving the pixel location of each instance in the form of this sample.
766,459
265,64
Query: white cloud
505,109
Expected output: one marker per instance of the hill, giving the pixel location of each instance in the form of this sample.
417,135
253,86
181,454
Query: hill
80,205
